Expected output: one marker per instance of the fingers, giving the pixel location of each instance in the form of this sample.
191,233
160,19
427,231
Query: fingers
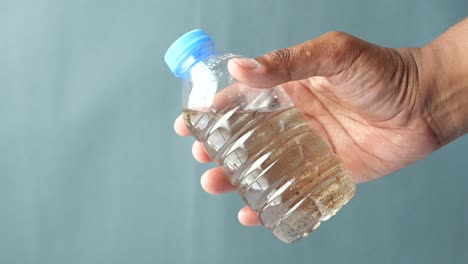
180,127
214,182
248,217
326,55
199,152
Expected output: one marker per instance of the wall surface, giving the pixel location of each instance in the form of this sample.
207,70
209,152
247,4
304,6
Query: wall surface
91,171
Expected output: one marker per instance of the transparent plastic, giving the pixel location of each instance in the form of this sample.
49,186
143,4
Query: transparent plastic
282,168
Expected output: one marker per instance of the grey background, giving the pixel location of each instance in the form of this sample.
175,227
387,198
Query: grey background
91,171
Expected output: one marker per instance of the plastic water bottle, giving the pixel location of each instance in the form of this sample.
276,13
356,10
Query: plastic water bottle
282,168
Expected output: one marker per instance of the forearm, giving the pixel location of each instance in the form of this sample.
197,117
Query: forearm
443,72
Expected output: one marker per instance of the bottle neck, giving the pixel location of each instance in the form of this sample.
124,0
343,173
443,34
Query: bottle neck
194,56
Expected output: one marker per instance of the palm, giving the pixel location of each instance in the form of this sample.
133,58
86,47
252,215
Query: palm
367,115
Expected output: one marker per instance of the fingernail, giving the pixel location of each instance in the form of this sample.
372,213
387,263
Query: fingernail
249,64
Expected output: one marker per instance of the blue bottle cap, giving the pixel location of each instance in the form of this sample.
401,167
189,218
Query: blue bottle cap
183,47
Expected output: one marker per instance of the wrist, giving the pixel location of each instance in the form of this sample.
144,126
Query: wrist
443,76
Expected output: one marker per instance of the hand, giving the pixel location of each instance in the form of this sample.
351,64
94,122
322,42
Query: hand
372,104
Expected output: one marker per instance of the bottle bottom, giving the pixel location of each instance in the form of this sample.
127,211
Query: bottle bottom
306,214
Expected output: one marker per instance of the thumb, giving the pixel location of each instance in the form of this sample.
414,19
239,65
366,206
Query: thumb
326,55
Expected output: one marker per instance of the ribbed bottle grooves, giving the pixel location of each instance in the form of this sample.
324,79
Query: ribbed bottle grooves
282,168
255,123
279,210
213,117
286,175
296,195
303,212
268,152
263,173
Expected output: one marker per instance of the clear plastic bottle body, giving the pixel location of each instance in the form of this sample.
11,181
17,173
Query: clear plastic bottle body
283,169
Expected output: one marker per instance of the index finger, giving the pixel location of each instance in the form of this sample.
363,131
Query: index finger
180,127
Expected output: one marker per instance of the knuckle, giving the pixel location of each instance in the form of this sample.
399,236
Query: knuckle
282,56
341,47
341,39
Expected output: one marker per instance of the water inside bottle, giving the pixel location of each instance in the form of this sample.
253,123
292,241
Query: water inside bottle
283,169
